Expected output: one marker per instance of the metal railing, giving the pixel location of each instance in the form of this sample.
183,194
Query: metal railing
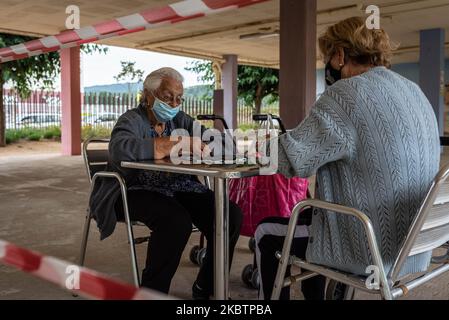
43,109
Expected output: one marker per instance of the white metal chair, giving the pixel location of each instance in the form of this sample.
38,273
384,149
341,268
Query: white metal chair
95,161
428,231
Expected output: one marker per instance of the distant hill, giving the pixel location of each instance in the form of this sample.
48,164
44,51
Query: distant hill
115,88
200,91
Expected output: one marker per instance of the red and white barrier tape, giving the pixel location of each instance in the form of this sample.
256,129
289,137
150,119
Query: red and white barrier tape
91,284
173,13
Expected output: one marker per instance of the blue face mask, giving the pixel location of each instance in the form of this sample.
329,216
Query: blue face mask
163,112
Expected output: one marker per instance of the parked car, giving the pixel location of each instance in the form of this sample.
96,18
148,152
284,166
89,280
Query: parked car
107,119
39,120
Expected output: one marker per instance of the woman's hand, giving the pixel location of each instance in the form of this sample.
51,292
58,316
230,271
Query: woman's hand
198,147
162,147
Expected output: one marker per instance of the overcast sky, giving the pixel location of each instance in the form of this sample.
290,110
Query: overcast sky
100,69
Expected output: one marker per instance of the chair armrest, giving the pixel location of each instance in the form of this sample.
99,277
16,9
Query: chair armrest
339,209
113,175
121,181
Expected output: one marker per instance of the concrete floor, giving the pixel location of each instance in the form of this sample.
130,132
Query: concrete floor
43,200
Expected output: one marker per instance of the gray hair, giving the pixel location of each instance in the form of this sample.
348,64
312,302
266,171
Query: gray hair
154,79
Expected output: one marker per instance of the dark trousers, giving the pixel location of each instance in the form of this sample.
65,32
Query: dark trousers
270,235
170,220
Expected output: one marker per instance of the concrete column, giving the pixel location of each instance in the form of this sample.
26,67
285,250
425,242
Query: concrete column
229,82
431,71
297,83
71,101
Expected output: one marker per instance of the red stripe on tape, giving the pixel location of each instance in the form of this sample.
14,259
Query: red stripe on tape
159,15
68,36
5,52
102,288
218,4
188,17
21,258
108,27
34,45
87,40
20,56
55,48
121,33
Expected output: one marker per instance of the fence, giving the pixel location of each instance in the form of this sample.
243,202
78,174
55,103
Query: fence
43,109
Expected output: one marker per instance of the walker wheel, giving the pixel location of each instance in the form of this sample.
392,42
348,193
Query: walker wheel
255,280
247,274
252,244
201,256
194,254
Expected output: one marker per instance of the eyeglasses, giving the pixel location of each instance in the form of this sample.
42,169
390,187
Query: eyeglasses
168,98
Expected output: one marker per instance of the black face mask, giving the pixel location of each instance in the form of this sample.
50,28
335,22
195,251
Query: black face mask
332,75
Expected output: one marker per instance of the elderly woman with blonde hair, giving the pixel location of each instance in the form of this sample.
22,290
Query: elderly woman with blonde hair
372,141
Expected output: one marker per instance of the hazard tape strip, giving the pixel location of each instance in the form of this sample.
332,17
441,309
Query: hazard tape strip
79,280
151,18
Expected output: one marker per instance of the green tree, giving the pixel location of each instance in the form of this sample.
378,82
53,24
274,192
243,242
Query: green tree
254,83
129,73
26,74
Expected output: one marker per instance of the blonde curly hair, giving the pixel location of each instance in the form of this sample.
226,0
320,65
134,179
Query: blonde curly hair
361,45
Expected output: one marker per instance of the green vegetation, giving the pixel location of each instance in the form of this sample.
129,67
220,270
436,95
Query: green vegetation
250,126
199,91
36,71
256,85
52,132
89,131
34,134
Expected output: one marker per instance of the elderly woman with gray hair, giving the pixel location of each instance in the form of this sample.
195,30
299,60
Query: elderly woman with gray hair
167,203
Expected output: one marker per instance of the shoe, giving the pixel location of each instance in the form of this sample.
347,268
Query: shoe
199,293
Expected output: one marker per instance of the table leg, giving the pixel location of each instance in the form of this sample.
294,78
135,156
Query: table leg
221,239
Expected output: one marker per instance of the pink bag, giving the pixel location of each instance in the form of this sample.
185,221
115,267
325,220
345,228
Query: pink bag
266,196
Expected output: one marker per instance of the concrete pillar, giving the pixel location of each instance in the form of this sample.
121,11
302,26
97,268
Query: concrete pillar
297,83
229,82
71,101
431,71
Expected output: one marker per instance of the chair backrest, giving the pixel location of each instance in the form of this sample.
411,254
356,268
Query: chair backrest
95,154
430,227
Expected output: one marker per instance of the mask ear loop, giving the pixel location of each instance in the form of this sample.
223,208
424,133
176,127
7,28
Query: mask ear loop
151,108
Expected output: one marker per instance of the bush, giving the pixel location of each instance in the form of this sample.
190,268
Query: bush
48,135
12,136
52,132
89,131
35,136
246,127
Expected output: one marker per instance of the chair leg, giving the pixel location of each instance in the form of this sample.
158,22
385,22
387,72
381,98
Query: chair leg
134,264
84,239
132,246
129,229
84,243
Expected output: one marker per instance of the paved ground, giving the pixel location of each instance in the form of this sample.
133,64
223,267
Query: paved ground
43,199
